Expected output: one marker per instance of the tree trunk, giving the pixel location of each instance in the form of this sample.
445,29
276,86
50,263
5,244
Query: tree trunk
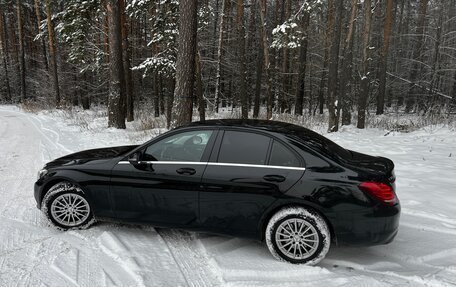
15,62
21,50
300,84
223,18
4,48
436,60
404,45
76,95
242,60
199,88
384,56
286,77
251,52
333,123
259,76
85,100
126,54
347,63
453,93
161,98
364,86
169,105
185,66
156,95
105,27
417,56
55,78
116,116
267,68
275,61
43,43
328,36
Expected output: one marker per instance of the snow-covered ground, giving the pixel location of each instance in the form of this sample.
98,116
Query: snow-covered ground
35,254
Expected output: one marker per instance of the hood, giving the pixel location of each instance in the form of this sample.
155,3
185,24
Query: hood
377,164
91,155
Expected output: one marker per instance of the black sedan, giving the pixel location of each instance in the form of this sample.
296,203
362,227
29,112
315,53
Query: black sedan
266,180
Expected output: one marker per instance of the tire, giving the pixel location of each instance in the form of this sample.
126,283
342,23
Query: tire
66,207
298,235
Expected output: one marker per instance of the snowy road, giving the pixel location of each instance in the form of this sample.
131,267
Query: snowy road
35,254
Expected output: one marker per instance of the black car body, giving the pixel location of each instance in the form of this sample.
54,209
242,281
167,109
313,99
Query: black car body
246,171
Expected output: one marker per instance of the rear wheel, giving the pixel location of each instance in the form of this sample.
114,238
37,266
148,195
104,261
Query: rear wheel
66,206
298,236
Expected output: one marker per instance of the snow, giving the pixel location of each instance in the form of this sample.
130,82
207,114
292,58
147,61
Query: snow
32,253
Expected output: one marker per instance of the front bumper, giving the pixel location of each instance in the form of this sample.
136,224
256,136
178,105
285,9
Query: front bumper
38,189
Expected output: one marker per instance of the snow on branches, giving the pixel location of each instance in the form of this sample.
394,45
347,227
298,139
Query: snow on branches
289,34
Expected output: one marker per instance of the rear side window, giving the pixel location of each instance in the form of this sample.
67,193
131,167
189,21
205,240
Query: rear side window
244,148
282,156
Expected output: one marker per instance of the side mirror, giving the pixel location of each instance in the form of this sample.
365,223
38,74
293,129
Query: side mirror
134,158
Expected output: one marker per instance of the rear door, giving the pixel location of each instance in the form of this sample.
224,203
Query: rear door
246,173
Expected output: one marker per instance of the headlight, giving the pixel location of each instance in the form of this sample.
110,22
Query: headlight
42,173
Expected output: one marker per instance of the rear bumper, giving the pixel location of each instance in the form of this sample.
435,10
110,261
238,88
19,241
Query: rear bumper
373,226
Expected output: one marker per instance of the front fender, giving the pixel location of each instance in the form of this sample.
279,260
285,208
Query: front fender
95,186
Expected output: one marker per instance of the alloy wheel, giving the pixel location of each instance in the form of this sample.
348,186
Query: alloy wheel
70,209
297,238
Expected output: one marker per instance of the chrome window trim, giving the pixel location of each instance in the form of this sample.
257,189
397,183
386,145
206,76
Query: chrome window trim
166,162
219,164
256,165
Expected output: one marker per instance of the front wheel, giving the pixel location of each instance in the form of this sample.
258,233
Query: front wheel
298,236
66,207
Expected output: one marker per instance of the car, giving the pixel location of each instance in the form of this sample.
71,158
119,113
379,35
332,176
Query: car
271,181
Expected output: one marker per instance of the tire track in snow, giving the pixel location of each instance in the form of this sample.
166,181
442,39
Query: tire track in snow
143,254
55,143
112,246
429,228
426,280
86,264
426,215
191,259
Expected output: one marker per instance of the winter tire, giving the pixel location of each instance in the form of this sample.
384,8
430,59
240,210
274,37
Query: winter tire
298,235
66,207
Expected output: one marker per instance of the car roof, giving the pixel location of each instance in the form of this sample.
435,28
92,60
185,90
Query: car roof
272,126
304,135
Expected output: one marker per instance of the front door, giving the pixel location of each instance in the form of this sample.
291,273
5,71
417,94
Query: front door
163,187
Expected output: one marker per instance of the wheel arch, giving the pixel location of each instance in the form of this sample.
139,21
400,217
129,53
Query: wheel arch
47,186
270,213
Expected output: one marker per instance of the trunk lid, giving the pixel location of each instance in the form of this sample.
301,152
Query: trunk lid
374,164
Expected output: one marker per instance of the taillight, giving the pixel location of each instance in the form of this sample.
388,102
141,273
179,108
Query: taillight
381,191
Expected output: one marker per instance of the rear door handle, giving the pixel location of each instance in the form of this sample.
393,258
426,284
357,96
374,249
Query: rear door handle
186,170
274,178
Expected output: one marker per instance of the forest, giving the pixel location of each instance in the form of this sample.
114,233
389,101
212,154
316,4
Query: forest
266,59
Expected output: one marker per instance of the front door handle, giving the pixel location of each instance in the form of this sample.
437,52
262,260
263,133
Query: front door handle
274,178
186,170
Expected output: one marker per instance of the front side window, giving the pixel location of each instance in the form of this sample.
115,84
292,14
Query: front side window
186,146
243,148
282,156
